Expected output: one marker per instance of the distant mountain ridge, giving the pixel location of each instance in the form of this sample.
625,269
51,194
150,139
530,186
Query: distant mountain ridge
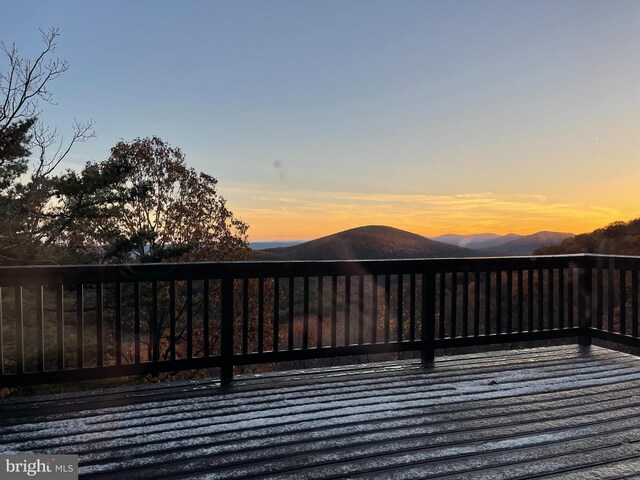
275,244
510,244
369,242
477,241
380,242
526,245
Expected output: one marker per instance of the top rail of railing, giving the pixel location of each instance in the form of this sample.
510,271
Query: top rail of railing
51,274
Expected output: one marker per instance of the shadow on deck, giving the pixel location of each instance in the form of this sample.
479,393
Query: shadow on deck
567,412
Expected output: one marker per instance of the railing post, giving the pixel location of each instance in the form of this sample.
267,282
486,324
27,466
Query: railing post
428,317
585,286
226,331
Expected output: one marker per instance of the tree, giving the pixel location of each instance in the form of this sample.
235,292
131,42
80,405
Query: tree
617,238
38,206
142,203
174,214
163,211
23,86
75,202
14,151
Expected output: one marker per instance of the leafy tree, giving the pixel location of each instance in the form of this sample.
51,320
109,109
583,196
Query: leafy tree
177,213
14,151
163,211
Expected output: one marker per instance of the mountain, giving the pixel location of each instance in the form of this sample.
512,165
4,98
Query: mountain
618,238
477,241
276,244
370,242
463,240
527,244
495,242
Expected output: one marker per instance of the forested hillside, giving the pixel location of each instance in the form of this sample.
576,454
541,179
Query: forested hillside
620,238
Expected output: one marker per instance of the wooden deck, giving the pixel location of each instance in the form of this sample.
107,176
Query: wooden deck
560,412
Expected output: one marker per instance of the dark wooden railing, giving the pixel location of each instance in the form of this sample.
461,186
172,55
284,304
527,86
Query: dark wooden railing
84,322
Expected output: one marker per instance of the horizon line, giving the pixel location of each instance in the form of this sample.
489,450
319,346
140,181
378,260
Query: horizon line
283,239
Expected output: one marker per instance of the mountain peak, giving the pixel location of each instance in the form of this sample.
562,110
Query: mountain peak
370,242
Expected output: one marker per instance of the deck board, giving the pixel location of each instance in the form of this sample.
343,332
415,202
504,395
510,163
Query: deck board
563,412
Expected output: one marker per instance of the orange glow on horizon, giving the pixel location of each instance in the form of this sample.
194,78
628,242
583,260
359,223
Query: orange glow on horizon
306,215
262,230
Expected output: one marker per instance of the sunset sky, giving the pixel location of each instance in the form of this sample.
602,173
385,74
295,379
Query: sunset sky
317,116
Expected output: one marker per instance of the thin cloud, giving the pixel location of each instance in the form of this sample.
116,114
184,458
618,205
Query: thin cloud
312,213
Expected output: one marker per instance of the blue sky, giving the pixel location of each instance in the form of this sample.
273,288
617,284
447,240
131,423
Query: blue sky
432,116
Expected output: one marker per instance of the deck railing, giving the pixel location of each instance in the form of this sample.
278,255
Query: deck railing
85,322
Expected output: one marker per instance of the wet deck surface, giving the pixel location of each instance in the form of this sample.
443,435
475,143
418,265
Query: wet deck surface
557,412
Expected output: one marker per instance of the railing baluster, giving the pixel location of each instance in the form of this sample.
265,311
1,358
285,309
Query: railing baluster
80,326
360,310
634,303
40,328
118,319
400,308
260,315
550,309
189,319
276,314
305,320
476,304
412,307
245,316
136,321
465,304
571,296
428,320
99,324
320,311
499,302
442,297
610,297
454,303
374,309
487,303
509,301
19,330
520,301
585,287
600,298
347,310
387,306
292,312
334,310
172,319
530,300
226,330
623,301
540,293
60,327
205,317
588,299
561,298
154,332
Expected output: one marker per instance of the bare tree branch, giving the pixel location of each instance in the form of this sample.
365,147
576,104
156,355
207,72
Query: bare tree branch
44,138
27,80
